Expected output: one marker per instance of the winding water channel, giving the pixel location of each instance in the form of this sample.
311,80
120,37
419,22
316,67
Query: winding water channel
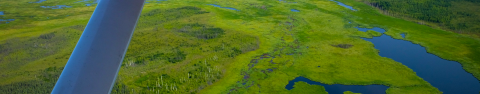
448,76
339,89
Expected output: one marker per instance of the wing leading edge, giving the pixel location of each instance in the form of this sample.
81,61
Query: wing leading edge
96,59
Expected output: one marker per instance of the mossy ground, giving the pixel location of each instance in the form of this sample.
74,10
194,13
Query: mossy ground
190,47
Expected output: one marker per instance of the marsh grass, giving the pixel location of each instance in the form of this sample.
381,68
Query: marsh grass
191,47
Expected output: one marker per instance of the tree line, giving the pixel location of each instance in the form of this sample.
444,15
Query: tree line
448,14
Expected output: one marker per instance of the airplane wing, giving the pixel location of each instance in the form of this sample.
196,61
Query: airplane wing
98,55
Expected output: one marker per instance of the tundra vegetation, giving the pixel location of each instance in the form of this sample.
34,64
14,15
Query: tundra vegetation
188,46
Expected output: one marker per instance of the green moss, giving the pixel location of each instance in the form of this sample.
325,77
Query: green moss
350,92
374,33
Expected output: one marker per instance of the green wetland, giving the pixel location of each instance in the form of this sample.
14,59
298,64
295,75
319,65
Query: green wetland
237,46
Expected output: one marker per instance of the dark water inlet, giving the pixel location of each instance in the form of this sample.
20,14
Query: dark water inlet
224,7
339,89
294,10
341,4
448,76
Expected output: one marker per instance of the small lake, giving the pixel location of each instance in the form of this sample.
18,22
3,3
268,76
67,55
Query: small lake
57,7
339,89
294,10
341,4
224,7
448,76
1,13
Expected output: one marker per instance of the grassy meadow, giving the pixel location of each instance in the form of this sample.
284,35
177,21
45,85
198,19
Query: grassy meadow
188,46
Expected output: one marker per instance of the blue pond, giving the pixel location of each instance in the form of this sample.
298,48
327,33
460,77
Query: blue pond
403,35
341,4
57,7
374,29
224,7
448,76
1,13
39,1
294,10
339,89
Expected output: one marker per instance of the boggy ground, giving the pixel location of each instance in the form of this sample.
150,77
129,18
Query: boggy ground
190,47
